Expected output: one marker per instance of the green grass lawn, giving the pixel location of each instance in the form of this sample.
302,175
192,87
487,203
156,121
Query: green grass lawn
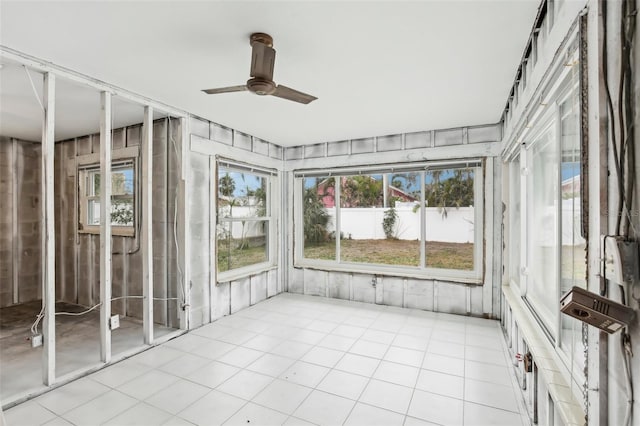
231,256
396,252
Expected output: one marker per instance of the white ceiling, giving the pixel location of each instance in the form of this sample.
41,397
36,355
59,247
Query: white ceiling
376,67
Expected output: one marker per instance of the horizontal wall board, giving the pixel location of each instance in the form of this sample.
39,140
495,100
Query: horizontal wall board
389,143
417,140
221,134
338,148
449,137
260,147
361,146
484,134
198,127
314,151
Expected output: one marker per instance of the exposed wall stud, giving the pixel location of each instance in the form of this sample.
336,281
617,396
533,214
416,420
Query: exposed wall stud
48,219
146,237
105,226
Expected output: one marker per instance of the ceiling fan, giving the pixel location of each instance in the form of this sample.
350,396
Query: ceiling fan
263,57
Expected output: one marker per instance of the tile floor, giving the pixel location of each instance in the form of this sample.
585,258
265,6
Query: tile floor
302,360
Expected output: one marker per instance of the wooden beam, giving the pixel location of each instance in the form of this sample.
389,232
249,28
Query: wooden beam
105,226
147,224
48,220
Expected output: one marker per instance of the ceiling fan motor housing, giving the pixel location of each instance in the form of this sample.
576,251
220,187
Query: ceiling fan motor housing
261,87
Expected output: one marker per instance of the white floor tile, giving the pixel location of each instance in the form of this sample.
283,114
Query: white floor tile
100,409
187,342
293,350
487,342
305,374
480,415
240,357
179,395
323,356
491,394
448,336
446,348
441,383
252,414
213,349
387,395
348,331
271,365
344,384
412,421
28,413
367,415
385,325
184,365
339,343
416,331
358,364
488,356
246,384
212,374
324,409
294,421
487,372
213,409
404,356
212,331
436,408
322,326
370,349
117,374
308,336
160,355
140,414
177,421
411,342
58,421
262,343
378,336
399,374
70,396
237,337
282,396
149,383
444,364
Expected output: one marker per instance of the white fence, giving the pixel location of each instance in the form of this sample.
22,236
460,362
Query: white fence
456,226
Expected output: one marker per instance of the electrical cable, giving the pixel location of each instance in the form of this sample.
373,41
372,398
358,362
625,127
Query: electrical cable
33,86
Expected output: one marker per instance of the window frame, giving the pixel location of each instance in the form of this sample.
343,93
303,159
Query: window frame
90,164
475,276
272,177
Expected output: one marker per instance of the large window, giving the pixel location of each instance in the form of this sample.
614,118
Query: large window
417,220
551,241
243,223
123,191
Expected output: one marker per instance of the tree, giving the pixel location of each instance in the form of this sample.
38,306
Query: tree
361,191
226,185
454,191
316,218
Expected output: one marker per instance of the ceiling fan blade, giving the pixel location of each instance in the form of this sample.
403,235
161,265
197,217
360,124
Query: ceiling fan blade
226,89
285,92
263,58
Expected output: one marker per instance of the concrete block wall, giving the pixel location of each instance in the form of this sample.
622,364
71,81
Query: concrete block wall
478,299
20,233
78,254
211,299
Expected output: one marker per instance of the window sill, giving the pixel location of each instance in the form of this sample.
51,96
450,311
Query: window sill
550,366
403,271
244,272
116,231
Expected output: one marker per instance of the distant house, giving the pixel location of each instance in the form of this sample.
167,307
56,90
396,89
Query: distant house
571,187
326,192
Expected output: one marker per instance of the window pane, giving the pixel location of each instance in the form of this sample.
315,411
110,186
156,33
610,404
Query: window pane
241,244
514,221
241,194
379,221
122,181
318,211
573,267
543,225
122,212
450,218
